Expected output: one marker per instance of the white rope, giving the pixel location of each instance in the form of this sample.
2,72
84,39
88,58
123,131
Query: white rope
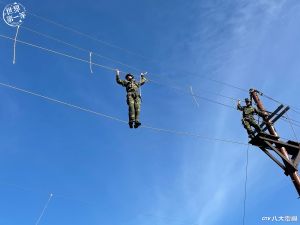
79,48
15,43
91,69
86,35
184,133
58,53
195,100
181,133
61,102
45,207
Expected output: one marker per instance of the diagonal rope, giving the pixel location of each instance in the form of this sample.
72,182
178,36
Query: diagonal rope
58,53
195,100
61,102
44,210
86,35
78,48
294,109
15,43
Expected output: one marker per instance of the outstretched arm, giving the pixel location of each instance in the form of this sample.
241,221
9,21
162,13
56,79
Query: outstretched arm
239,107
143,80
118,80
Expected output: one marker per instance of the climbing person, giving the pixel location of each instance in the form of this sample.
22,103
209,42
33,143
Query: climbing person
248,117
133,97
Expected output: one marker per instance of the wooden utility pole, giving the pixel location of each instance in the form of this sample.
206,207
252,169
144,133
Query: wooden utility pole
288,151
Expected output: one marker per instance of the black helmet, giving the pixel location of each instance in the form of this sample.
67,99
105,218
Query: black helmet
247,100
129,75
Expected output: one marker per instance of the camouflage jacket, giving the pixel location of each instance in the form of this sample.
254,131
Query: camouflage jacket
249,111
131,86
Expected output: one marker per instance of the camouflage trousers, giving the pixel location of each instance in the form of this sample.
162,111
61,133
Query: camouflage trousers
250,122
134,106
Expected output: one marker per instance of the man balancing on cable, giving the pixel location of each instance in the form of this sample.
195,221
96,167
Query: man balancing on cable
133,97
248,117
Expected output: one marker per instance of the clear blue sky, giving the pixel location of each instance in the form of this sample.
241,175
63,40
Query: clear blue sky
99,170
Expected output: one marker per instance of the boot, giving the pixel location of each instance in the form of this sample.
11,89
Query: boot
137,124
130,124
251,135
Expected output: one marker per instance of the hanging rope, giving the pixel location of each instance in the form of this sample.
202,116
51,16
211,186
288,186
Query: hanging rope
15,43
58,53
193,95
45,207
91,69
245,186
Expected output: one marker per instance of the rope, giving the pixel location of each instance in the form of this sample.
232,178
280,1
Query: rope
181,133
195,100
188,93
245,186
86,35
184,91
15,43
295,135
79,48
225,84
45,207
91,69
274,100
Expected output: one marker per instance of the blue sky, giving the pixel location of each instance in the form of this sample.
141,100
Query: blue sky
99,171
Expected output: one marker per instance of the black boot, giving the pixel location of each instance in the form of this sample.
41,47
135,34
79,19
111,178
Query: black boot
130,124
137,124
251,135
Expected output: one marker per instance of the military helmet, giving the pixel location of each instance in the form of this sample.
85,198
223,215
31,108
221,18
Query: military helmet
247,100
129,75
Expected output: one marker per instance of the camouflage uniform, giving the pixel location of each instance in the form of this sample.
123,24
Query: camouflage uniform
133,97
248,118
